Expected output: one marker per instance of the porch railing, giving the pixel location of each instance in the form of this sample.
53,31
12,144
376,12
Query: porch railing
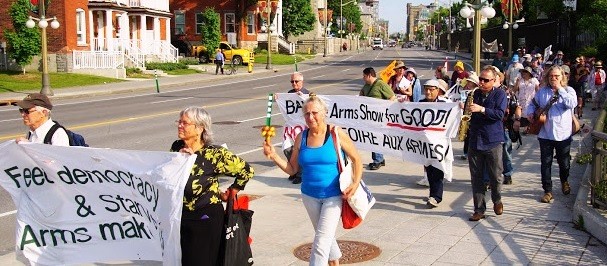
137,50
98,59
162,5
598,183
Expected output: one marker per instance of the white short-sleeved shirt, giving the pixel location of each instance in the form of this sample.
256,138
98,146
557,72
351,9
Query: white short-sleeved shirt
60,137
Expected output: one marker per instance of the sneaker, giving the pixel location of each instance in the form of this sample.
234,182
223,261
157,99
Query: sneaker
566,188
383,163
291,177
423,182
297,180
546,198
507,180
374,166
432,202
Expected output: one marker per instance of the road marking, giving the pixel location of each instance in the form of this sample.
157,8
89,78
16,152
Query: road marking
8,120
317,77
130,119
345,70
8,213
251,119
179,99
261,87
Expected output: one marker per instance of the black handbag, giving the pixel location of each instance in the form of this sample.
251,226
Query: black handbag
237,226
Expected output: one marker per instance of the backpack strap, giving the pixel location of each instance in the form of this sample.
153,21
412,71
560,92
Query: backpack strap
51,132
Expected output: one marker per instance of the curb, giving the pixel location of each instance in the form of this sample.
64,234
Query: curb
593,222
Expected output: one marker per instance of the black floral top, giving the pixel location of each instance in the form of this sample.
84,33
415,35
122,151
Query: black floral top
202,187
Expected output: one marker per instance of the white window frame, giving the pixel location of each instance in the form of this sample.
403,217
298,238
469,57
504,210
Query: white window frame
80,26
199,24
226,24
179,25
251,23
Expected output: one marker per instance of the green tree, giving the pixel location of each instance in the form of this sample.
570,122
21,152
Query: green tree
297,17
210,31
23,43
351,14
594,21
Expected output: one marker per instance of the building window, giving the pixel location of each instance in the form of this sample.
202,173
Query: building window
250,23
179,22
199,23
230,19
80,26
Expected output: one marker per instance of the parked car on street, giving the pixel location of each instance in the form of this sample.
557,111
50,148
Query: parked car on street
239,56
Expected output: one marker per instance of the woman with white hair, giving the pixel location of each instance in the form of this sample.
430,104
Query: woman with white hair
202,217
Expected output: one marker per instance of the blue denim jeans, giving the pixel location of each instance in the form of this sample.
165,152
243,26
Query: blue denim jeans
563,158
435,179
507,155
377,157
325,215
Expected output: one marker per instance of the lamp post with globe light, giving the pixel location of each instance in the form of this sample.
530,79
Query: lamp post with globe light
341,19
268,6
468,11
507,25
43,23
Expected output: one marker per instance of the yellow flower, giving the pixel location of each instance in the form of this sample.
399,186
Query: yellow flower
214,187
214,200
196,187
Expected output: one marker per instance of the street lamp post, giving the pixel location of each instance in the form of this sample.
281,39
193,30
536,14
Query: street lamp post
341,19
269,6
325,29
467,12
511,25
43,24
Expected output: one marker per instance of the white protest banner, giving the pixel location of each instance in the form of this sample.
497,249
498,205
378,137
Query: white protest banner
81,205
416,132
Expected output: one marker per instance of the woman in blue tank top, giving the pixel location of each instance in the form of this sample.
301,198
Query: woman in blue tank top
314,151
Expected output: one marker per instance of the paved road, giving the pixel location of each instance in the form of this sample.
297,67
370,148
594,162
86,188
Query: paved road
401,225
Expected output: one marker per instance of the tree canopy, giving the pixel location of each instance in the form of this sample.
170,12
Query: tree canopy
297,17
210,30
23,42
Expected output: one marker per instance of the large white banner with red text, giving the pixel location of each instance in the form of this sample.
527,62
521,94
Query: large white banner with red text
416,132
80,205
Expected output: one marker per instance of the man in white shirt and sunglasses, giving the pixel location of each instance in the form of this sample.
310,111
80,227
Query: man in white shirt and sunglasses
35,111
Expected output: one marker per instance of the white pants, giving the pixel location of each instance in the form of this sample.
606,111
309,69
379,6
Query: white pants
325,215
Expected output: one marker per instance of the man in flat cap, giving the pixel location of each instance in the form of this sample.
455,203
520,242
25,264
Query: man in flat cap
35,111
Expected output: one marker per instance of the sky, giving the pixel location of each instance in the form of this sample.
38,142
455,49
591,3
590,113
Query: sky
395,11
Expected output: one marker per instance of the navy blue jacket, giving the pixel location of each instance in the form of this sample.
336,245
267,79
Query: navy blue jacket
487,130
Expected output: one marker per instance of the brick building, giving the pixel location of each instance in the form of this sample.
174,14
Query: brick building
104,36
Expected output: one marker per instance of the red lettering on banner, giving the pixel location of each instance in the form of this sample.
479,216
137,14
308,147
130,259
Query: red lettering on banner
291,132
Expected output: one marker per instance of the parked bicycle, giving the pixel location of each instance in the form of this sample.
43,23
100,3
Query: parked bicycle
232,68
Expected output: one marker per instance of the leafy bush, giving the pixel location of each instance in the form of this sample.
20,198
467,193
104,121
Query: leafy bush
133,70
189,61
166,66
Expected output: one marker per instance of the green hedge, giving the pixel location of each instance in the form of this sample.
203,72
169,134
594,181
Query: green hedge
166,66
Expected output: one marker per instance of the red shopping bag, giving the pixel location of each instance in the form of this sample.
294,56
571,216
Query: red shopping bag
349,219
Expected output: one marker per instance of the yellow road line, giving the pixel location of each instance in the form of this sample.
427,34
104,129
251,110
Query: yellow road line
130,119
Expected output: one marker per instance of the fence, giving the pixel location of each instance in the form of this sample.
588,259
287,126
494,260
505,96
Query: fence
598,182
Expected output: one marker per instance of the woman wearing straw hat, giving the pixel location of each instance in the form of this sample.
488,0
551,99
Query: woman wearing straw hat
596,82
525,88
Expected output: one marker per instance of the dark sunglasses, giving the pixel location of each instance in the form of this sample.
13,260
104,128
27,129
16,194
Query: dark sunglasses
295,81
26,111
484,80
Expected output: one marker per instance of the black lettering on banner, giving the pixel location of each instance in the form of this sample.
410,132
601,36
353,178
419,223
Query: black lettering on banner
370,114
53,237
33,176
393,142
428,150
83,211
392,117
118,202
293,107
336,112
128,229
361,136
425,117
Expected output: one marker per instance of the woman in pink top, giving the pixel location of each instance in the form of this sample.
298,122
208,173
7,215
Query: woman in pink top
525,88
